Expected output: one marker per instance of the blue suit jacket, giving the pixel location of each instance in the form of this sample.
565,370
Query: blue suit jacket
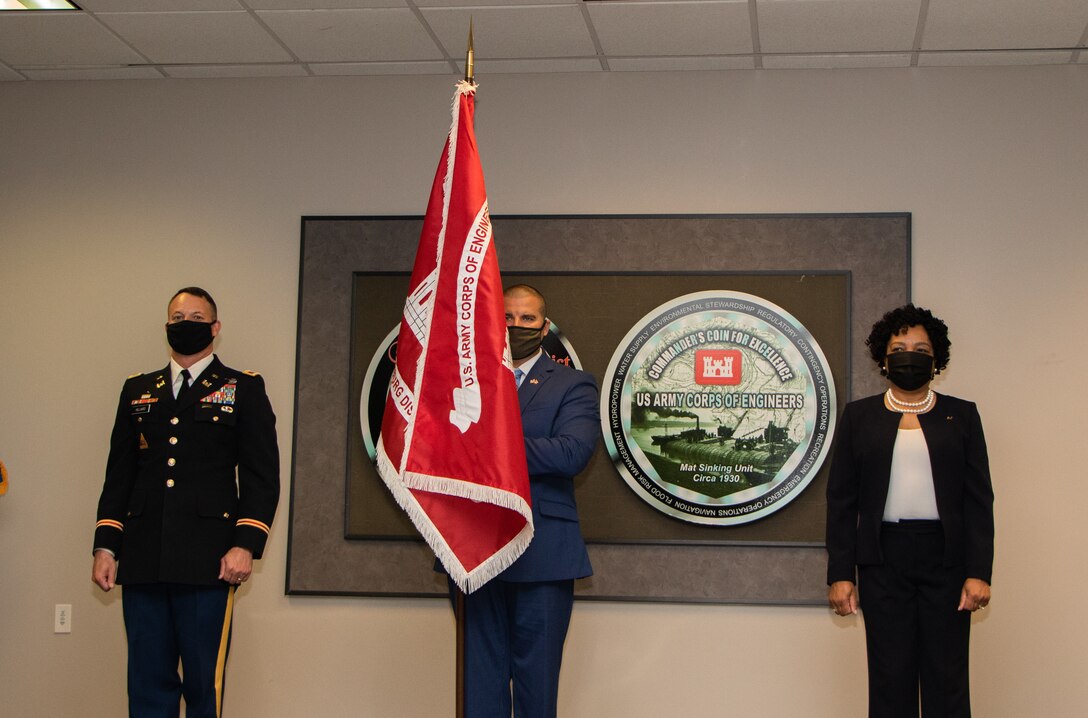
559,416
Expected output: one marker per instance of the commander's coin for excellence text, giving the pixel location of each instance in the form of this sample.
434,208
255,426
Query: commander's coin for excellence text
718,408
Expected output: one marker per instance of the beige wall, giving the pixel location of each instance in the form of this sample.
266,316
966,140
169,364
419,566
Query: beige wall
114,194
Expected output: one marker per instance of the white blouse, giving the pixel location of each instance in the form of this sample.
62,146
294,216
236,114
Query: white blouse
910,489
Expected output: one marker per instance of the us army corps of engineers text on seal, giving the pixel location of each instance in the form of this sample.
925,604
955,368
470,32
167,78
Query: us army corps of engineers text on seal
718,408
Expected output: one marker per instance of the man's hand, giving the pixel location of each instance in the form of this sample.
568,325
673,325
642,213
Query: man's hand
236,566
104,570
843,597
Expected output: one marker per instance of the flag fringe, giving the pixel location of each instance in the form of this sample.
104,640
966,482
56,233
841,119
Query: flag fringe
402,485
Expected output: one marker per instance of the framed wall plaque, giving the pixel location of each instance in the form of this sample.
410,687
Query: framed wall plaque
602,275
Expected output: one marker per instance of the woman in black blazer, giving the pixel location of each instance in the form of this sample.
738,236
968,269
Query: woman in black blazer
910,523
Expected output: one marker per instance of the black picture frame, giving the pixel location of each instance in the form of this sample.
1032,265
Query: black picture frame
872,249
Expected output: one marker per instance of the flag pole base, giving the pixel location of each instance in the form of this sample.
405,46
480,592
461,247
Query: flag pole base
459,612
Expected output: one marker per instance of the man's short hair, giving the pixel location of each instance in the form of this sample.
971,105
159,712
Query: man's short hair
520,289
197,292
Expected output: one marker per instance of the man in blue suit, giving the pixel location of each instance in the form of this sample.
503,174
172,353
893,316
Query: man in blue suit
515,625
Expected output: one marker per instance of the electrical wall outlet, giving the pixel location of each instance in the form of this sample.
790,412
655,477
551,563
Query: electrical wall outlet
62,618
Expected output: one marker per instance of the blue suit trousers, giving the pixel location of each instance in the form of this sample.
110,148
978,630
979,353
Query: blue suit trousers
514,634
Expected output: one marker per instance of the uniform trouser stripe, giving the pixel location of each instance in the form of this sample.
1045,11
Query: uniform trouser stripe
224,646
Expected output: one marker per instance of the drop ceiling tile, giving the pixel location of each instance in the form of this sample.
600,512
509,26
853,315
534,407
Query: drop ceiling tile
835,62
978,59
673,28
537,65
387,34
664,64
381,68
513,32
1083,59
157,5
60,39
9,75
323,4
199,71
837,26
199,37
1004,24
477,3
96,73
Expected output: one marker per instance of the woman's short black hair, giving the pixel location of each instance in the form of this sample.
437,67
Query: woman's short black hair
897,321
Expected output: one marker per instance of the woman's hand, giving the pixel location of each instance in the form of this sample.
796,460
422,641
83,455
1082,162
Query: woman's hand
843,597
975,595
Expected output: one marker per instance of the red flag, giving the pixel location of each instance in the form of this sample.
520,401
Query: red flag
451,447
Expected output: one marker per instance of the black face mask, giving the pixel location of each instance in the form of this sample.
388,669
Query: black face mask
188,337
524,341
909,370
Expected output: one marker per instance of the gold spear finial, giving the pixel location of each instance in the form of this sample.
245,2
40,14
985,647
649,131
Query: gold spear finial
470,58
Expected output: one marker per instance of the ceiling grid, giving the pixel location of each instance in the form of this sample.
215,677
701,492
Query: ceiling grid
140,39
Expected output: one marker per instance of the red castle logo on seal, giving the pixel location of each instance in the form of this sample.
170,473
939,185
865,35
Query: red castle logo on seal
718,366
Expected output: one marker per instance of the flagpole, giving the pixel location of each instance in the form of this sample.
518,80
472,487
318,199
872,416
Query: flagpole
459,607
470,58
459,612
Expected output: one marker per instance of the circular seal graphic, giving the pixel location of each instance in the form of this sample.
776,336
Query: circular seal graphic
380,370
718,408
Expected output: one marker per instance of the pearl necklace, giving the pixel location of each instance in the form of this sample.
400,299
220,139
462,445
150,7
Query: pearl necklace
909,407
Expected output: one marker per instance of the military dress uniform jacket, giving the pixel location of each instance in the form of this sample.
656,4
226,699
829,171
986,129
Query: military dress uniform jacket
188,479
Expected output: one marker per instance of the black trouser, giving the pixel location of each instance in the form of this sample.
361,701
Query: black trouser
915,638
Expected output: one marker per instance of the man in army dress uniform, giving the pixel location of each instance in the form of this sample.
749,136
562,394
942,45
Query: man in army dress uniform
192,483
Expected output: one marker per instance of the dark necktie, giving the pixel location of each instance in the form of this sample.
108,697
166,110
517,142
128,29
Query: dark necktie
185,376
